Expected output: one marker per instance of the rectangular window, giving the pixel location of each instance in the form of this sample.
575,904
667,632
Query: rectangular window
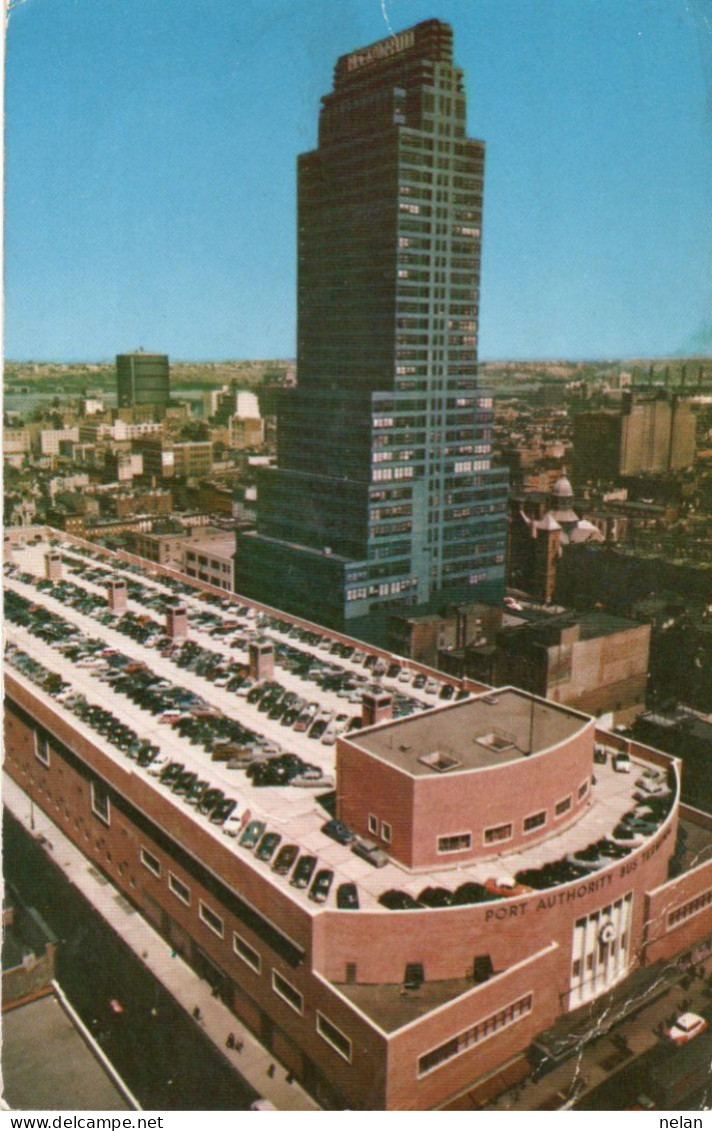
150,861
287,992
535,821
100,802
458,842
211,919
563,806
333,1036
373,824
468,1038
693,907
41,748
497,833
179,889
247,953
583,790
386,832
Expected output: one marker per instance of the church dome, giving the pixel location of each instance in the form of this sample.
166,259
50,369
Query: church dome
562,489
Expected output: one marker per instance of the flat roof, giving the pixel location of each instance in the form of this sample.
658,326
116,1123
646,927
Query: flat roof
495,728
297,814
47,1065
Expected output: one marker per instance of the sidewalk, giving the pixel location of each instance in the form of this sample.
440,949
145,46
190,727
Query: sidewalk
253,1062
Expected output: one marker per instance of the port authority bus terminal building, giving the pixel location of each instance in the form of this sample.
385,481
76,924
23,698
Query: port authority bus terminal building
370,1007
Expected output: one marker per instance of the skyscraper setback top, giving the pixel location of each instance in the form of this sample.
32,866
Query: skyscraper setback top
384,447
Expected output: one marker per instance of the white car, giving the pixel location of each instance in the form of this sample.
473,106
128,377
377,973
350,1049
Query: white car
157,765
686,1028
652,789
621,763
233,824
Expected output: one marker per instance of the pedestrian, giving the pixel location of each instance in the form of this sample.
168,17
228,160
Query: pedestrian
230,1042
197,1014
270,1071
239,1045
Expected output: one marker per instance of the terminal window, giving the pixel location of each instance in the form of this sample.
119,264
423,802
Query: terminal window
535,821
455,843
333,1036
247,953
100,802
287,992
210,919
150,861
179,889
497,833
41,748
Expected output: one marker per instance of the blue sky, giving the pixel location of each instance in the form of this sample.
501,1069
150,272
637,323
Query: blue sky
150,169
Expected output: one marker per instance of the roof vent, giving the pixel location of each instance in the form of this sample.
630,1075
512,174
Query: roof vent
497,742
440,762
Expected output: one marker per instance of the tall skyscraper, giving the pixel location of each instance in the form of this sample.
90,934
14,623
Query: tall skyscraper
142,378
384,494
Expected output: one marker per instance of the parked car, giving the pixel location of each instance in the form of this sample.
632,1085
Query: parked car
621,762
210,799
252,834
471,892
396,900
686,1028
436,897
338,831
234,824
321,885
347,897
268,845
284,859
223,810
505,886
369,850
303,872
168,774
651,789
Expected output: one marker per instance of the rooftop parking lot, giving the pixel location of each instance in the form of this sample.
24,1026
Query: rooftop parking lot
255,762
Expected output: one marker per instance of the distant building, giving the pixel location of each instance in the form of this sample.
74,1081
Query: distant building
593,662
193,459
142,379
50,439
245,432
688,735
209,556
540,528
127,503
651,432
15,441
163,544
426,636
28,952
180,459
157,455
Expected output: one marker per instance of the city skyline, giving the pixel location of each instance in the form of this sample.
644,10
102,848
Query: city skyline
151,166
